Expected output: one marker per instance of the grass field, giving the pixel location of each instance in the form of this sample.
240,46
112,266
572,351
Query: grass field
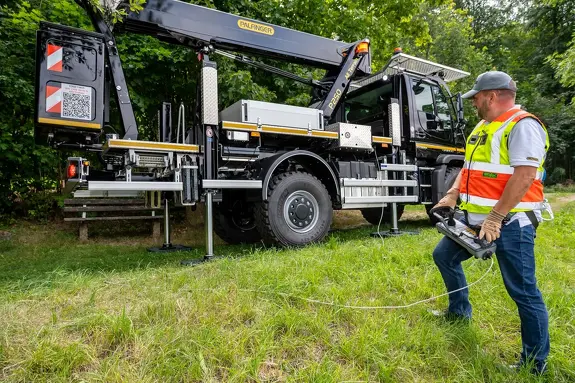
110,311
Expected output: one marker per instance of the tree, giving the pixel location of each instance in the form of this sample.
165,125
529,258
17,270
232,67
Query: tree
530,40
565,66
23,165
549,27
452,43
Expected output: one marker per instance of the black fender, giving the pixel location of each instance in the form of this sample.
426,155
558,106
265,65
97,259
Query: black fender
447,158
438,179
312,162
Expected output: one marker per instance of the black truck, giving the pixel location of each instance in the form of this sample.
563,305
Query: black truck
265,171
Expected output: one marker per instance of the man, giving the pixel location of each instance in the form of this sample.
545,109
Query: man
501,190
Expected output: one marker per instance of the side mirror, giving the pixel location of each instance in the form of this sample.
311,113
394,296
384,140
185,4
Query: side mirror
417,88
460,115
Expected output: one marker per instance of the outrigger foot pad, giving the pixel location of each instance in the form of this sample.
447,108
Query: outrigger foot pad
195,262
166,248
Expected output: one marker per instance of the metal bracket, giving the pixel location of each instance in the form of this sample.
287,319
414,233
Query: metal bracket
119,80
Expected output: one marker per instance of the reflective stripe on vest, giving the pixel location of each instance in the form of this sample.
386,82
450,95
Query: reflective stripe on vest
494,168
487,170
490,202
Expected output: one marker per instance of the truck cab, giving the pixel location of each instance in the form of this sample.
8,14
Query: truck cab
430,120
428,111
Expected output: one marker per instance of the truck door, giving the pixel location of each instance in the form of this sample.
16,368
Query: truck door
431,112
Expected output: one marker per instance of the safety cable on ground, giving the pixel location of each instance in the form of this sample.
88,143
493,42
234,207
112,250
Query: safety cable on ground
316,301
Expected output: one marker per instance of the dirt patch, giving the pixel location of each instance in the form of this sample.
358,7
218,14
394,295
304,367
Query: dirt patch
271,371
557,202
347,219
566,199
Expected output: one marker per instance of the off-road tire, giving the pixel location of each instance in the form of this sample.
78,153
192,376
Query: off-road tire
233,229
373,214
271,214
451,174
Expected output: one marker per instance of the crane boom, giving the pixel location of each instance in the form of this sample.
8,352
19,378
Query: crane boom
183,23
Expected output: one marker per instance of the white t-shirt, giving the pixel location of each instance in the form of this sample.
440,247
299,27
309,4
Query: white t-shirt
526,144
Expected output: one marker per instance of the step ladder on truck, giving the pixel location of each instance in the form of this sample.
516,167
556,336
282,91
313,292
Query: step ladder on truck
265,171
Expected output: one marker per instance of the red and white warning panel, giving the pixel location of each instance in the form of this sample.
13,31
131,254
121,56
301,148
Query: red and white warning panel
54,58
69,100
69,85
53,99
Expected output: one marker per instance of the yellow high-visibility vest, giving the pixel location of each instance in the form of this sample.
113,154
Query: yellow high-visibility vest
486,169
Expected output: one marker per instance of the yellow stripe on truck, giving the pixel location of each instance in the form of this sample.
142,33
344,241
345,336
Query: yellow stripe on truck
75,124
238,125
129,144
381,139
278,130
440,147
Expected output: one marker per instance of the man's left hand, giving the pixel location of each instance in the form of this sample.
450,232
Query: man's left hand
491,227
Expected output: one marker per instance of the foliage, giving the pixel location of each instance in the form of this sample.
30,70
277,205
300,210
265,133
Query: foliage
532,40
23,165
561,188
113,15
39,206
452,43
565,65
556,176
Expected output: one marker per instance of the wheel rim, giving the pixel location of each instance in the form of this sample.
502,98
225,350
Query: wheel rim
301,211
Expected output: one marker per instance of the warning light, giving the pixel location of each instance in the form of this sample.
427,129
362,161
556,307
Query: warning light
362,48
72,171
86,163
255,134
397,50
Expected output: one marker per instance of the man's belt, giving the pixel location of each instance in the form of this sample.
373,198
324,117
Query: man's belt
530,214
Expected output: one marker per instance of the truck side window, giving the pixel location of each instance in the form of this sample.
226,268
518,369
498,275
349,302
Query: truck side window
369,105
423,97
444,112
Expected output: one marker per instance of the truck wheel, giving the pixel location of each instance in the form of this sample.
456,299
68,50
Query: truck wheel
373,214
450,175
234,222
297,212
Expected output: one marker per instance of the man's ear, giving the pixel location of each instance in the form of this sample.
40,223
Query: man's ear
493,96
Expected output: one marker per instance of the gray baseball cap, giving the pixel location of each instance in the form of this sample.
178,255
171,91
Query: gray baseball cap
491,80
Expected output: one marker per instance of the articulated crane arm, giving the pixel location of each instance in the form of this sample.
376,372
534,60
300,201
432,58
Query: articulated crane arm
211,31
179,22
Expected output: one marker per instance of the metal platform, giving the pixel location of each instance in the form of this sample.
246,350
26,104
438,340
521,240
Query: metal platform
402,62
246,127
134,186
232,184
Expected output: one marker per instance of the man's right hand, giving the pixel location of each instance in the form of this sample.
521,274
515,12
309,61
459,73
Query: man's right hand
450,199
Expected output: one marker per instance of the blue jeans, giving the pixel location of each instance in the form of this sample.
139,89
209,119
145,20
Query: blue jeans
516,260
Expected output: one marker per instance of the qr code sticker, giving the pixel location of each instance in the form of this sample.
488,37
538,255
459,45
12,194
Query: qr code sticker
76,102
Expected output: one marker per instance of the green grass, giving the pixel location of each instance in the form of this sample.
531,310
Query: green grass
560,188
110,311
